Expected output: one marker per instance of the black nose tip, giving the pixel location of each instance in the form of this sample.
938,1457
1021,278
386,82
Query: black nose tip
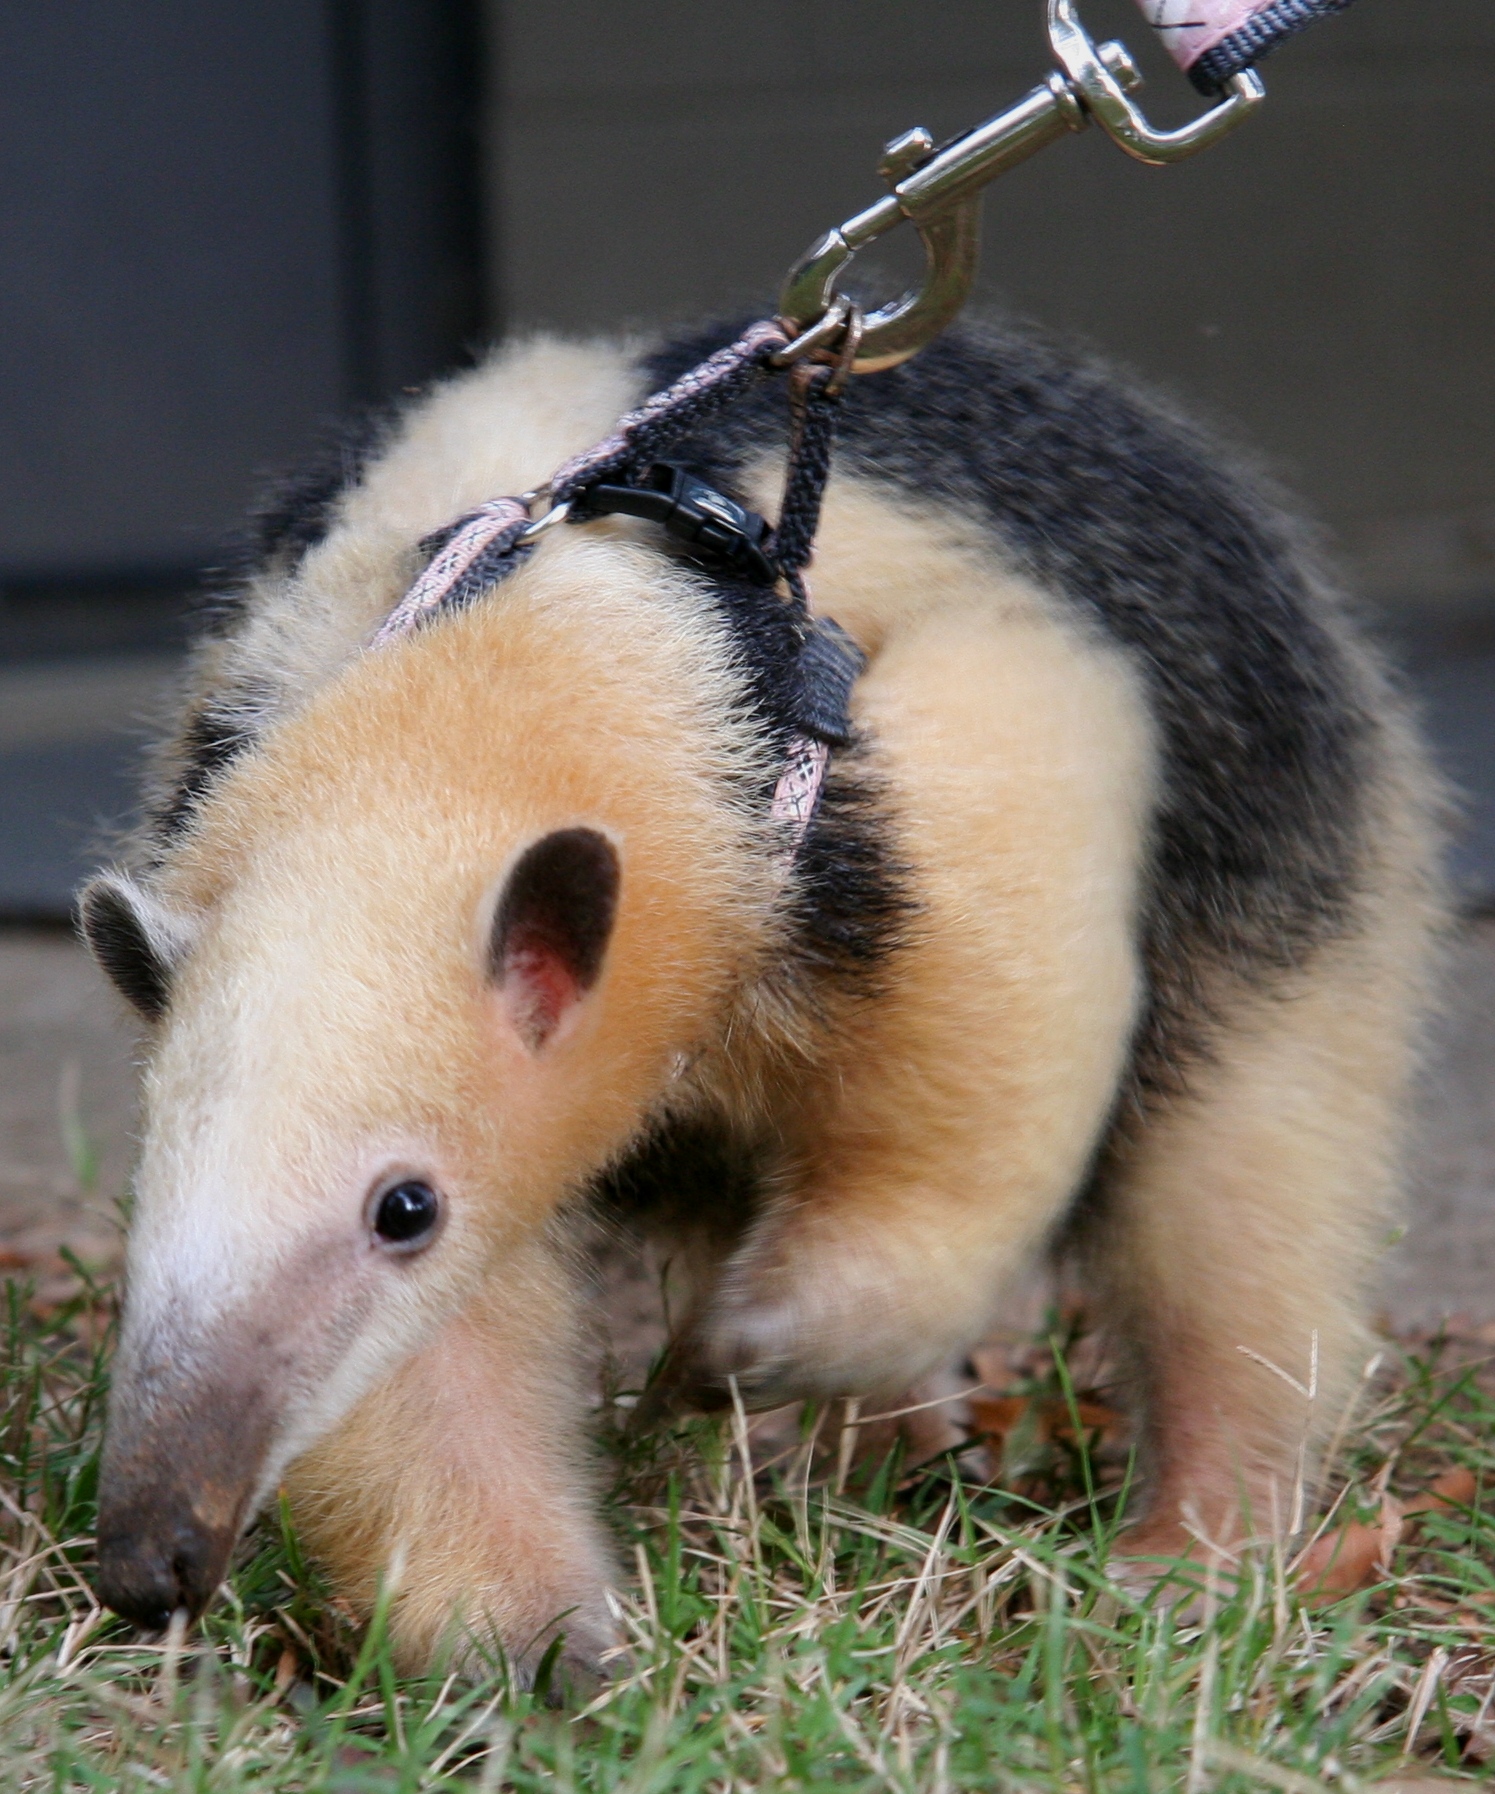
147,1573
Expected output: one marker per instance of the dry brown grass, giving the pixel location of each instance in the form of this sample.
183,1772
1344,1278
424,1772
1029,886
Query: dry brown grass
798,1619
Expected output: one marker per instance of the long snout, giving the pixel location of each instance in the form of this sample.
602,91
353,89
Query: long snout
183,1461
157,1555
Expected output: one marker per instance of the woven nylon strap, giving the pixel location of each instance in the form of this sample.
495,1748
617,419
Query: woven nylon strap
813,402
477,551
1211,40
482,548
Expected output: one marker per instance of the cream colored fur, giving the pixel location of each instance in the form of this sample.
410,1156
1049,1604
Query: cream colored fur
943,1133
473,1506
334,1021
1242,1249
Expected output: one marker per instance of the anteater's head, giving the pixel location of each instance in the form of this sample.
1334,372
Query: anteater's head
416,968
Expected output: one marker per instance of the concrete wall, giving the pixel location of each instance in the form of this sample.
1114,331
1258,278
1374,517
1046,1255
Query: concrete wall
1322,282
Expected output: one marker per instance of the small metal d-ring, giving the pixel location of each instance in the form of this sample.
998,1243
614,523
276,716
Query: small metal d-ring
846,353
806,339
556,514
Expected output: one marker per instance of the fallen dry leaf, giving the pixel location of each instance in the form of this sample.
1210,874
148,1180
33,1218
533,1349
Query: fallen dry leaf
1455,1488
1358,1555
1000,1415
1353,1556
997,1415
1097,1420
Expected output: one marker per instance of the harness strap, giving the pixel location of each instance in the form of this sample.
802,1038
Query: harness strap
797,794
643,435
814,399
1211,40
466,558
621,473
483,547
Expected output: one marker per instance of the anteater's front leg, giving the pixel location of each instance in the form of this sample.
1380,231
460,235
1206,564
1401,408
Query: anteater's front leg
960,1104
462,1480
925,1185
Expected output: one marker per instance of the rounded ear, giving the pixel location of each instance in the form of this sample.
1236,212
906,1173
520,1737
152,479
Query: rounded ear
137,940
551,928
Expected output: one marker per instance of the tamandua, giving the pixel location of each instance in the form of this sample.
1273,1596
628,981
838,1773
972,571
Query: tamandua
1114,927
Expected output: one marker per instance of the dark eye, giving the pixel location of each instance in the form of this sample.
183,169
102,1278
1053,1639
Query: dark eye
406,1213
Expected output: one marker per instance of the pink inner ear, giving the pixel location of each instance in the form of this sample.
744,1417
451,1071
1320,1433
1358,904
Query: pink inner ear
537,985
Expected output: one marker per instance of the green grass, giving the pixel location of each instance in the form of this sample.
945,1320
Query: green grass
912,1634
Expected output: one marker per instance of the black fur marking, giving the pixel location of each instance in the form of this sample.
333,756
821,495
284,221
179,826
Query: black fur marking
212,739
852,898
766,637
849,896
1266,740
561,898
124,950
294,514
681,1177
297,510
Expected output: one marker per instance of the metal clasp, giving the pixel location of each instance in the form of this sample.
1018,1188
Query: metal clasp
939,191
1093,78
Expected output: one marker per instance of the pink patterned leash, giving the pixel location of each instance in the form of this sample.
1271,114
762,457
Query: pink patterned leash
1211,40
461,558
478,551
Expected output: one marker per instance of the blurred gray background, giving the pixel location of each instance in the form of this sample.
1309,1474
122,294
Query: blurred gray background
224,225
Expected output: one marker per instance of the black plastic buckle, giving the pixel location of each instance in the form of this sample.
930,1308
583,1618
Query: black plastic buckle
705,520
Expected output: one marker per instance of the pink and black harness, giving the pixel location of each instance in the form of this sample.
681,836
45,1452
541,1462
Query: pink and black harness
624,474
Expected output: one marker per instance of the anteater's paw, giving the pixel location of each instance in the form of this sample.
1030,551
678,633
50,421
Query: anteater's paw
715,1355
1167,1562
761,1350
528,1615
572,1675
1157,1566
563,1639
805,1322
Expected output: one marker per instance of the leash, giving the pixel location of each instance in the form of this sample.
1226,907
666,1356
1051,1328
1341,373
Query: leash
1214,40
821,338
